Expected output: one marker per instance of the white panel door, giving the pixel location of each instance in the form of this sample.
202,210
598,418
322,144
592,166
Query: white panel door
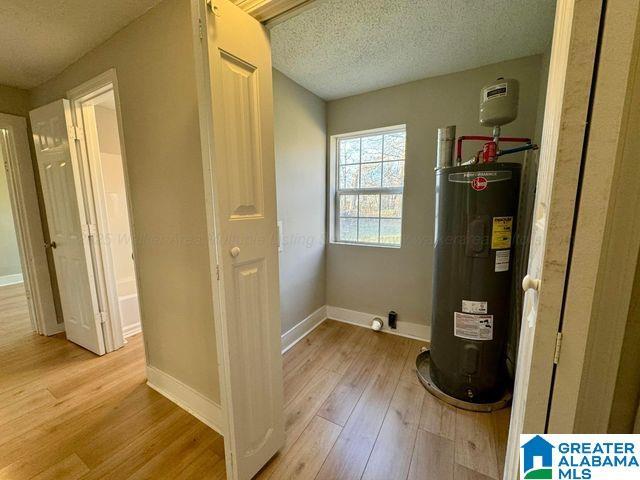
569,88
237,59
62,192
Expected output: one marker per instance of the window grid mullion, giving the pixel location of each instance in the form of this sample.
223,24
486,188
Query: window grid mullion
338,217
382,158
359,188
371,191
359,191
360,164
373,218
339,148
380,206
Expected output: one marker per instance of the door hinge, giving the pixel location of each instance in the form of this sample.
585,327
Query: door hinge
89,230
556,353
218,272
200,29
75,132
102,317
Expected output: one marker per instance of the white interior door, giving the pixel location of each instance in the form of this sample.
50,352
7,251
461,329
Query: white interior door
69,232
24,200
236,83
568,92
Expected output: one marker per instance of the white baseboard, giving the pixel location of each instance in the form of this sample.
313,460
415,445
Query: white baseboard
405,329
11,279
130,330
304,328
205,410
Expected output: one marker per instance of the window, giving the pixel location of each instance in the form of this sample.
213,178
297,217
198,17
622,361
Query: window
369,185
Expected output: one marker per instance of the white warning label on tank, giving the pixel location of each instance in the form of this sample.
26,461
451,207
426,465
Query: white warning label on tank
469,306
502,260
473,327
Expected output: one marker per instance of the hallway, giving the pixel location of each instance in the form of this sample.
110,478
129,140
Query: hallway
66,413
14,315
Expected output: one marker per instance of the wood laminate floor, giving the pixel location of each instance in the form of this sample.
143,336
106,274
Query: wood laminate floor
66,413
354,409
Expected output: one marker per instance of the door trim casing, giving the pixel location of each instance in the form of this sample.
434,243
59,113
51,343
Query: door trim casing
573,57
105,82
607,236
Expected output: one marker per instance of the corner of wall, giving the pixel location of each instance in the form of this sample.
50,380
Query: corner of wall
300,146
14,101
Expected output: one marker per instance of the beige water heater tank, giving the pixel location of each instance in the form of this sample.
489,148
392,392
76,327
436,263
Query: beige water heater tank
499,102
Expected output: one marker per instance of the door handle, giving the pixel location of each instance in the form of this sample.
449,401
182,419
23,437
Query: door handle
50,245
235,251
530,283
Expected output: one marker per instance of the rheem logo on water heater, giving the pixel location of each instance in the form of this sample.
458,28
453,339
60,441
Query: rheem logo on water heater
479,184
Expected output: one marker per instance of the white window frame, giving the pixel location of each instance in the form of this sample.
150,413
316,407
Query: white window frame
334,227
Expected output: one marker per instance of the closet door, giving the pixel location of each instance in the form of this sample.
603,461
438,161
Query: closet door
237,58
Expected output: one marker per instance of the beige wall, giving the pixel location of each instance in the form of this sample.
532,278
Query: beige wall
9,253
300,144
14,101
545,59
374,279
154,60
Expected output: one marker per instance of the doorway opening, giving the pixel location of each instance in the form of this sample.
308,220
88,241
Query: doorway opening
96,116
80,156
16,307
357,123
333,91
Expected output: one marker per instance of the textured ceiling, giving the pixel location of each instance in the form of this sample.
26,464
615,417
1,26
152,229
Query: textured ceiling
39,38
346,47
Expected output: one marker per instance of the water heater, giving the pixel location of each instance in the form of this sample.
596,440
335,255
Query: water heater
476,208
475,235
